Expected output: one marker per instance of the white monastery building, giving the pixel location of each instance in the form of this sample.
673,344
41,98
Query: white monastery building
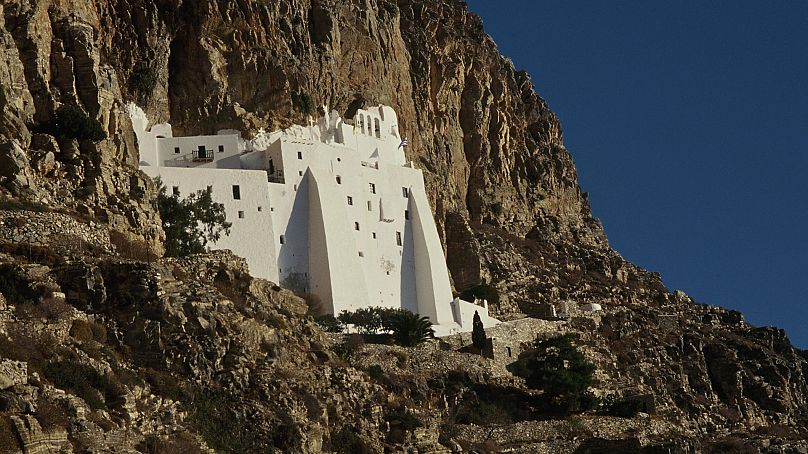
332,209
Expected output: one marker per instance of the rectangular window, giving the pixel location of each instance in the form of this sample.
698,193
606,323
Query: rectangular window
398,238
175,190
361,254
221,148
283,239
241,215
374,235
356,226
405,192
259,209
299,155
236,192
370,206
407,214
372,188
300,172
176,150
350,200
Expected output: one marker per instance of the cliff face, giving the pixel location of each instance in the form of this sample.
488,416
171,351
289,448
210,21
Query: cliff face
490,147
503,187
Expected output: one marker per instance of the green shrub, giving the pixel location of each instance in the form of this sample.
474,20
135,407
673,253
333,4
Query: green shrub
558,368
329,323
389,9
143,80
83,381
165,384
85,331
213,414
302,102
72,123
351,344
376,372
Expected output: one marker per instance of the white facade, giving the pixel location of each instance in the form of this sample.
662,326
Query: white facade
332,209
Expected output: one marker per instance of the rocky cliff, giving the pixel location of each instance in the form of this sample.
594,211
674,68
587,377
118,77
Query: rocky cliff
506,198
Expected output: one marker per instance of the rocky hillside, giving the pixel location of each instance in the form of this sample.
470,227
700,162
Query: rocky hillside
102,351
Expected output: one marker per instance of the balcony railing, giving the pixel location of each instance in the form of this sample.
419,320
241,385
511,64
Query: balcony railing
203,156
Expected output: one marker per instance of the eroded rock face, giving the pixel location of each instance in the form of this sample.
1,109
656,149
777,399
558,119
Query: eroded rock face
56,54
491,149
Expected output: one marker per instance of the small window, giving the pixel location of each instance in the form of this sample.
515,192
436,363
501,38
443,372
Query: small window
356,226
370,206
377,129
350,200
221,148
339,159
259,209
271,209
372,188
176,150
398,238
299,155
405,192
300,172
283,239
374,235
361,254
236,192
241,215
407,215
175,190
295,187
339,179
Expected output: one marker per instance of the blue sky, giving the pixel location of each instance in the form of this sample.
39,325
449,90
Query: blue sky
688,123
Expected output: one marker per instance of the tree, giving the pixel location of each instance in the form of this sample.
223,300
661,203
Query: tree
192,222
558,368
478,332
409,329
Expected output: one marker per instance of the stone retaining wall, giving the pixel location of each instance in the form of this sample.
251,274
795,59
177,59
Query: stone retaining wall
51,229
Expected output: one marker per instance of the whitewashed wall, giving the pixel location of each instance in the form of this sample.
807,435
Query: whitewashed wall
344,216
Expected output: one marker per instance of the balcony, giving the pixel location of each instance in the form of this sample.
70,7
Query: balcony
202,156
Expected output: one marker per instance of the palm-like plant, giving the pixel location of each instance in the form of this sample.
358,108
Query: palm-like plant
409,329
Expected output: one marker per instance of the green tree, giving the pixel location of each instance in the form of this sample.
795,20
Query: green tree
558,368
409,329
192,222
478,332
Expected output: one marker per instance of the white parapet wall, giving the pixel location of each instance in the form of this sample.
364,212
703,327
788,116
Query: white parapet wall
332,209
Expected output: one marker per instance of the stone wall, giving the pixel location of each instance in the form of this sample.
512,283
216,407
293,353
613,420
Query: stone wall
51,229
